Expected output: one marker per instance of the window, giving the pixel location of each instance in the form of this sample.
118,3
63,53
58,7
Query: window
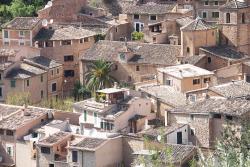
81,40
13,83
192,98
228,18
1,132
41,78
192,117
0,76
206,3
196,81
169,82
41,94
209,60
137,68
68,58
53,87
136,16
74,156
57,70
49,43
9,133
28,83
188,49
229,117
52,72
116,67
243,18
86,39
51,165
215,14
69,73
1,92
204,15
45,150
216,3
9,150
217,116
152,17
116,29
95,118
66,42
206,80
6,34
85,115
21,33
192,132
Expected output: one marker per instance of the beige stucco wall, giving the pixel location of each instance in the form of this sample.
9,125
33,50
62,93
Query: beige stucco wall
23,155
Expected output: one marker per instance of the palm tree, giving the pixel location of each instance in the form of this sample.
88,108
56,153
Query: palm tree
80,90
99,76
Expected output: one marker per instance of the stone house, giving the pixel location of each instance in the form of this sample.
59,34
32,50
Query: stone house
62,10
207,118
15,122
64,44
20,31
132,62
115,110
54,72
185,77
208,10
234,25
196,34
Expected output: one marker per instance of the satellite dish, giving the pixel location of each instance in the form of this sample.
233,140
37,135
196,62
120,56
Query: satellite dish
44,23
51,21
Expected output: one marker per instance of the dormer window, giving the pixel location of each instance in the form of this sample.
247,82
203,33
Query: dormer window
228,18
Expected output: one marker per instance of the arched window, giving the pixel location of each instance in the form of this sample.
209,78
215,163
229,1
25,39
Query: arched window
243,18
228,18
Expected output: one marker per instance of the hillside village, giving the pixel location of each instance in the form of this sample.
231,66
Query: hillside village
120,83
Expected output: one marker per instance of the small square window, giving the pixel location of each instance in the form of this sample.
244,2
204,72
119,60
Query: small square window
9,133
137,68
229,117
152,17
206,80
21,33
66,42
196,81
216,3
136,16
206,3
86,39
217,116
204,15
45,150
13,83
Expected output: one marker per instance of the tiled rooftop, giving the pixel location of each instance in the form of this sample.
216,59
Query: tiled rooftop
22,23
184,20
53,139
185,71
6,110
235,4
64,33
44,62
4,66
150,8
197,24
233,89
224,52
7,52
20,118
88,143
24,71
193,59
143,52
234,107
166,94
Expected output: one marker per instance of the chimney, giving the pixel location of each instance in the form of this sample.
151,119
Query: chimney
115,85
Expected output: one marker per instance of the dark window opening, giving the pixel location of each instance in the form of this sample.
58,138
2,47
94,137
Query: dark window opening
137,68
136,16
86,39
53,87
69,73
68,58
206,80
192,132
9,133
74,156
66,42
49,43
1,132
243,18
228,18
229,117
215,14
217,116
45,150
188,49
28,83
153,17
196,81
209,60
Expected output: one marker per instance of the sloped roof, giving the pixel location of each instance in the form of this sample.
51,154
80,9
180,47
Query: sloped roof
197,24
64,33
88,143
235,4
22,23
150,8
42,61
234,107
184,20
143,52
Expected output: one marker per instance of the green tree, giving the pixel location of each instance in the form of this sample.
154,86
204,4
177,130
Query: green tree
80,91
137,36
56,103
19,8
18,98
98,77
